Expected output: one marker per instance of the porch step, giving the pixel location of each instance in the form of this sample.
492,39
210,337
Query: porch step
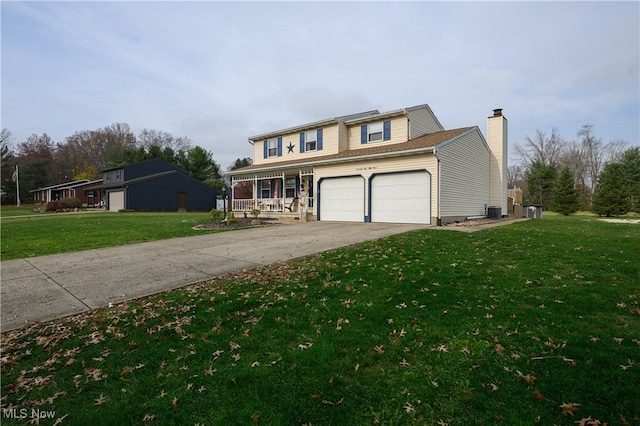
285,217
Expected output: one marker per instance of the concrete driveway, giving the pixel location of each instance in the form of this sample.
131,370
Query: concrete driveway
55,286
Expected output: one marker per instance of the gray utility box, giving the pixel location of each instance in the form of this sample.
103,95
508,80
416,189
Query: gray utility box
494,212
532,211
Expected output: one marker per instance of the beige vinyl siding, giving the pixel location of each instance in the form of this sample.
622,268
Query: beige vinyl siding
367,168
422,122
464,175
399,133
329,146
343,137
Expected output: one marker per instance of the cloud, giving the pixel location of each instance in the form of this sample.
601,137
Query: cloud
220,72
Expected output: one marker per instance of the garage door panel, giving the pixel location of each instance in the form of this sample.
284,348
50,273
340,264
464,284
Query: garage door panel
116,201
401,198
342,199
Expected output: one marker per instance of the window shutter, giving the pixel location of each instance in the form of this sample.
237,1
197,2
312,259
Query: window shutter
386,132
319,140
363,134
259,189
266,149
301,142
279,147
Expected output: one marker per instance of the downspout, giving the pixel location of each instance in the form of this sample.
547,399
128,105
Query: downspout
435,153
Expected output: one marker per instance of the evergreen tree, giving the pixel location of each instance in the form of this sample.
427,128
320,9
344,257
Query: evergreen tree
540,181
566,198
612,196
631,169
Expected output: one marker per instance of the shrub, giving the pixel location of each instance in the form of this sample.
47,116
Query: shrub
53,206
232,220
71,203
255,213
215,214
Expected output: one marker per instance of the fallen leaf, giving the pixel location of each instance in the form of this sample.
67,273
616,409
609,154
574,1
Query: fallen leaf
60,419
588,421
100,400
569,408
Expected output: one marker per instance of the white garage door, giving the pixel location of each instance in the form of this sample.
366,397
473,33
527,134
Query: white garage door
401,198
342,199
116,201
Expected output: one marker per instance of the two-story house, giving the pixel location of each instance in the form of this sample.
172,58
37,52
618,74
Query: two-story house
153,185
399,166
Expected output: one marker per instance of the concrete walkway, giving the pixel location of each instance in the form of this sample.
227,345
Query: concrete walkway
50,287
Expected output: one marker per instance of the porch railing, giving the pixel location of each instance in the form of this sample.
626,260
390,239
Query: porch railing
263,204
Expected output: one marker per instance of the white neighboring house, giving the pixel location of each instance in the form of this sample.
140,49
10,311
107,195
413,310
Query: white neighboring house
398,166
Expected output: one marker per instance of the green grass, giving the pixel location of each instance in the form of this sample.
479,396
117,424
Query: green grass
533,323
50,233
23,210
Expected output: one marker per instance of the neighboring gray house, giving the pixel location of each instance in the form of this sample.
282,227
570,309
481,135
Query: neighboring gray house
154,185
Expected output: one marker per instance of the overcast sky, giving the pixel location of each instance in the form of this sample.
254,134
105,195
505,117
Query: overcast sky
220,72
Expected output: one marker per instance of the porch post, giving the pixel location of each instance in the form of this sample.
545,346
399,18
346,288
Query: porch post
283,193
255,189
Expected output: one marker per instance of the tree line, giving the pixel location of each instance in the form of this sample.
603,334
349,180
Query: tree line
85,154
584,173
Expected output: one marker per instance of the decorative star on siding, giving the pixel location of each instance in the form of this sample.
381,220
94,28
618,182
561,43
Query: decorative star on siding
290,147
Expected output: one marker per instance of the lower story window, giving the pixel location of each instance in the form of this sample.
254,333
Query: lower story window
290,187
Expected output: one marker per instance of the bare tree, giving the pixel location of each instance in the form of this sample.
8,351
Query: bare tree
149,137
515,176
542,149
6,138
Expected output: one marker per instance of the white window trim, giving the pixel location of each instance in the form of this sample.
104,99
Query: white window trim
372,130
290,184
272,147
311,138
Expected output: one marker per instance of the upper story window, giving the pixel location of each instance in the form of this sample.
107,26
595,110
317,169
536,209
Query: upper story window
107,177
272,147
375,132
311,141
118,174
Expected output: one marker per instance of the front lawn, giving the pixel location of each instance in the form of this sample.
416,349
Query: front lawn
51,233
537,322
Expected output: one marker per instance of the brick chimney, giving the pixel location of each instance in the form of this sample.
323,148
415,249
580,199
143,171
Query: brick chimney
497,139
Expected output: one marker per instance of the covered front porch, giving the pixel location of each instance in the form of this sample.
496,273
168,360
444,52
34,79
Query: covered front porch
275,192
